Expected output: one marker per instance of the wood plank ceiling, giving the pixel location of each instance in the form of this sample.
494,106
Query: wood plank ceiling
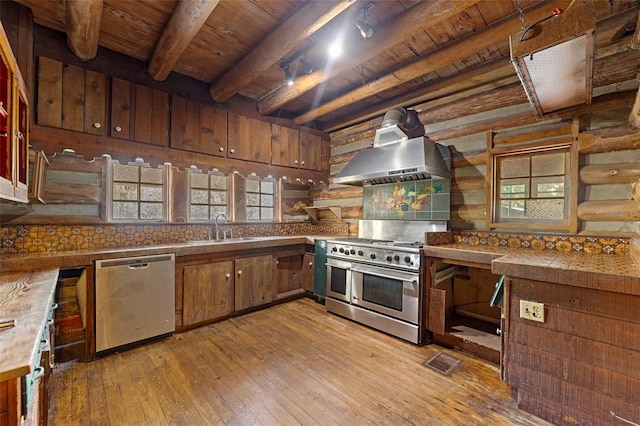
420,51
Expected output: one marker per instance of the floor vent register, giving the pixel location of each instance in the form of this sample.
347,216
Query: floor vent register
443,363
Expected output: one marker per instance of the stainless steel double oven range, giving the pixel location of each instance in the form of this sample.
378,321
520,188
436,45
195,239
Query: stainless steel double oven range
377,279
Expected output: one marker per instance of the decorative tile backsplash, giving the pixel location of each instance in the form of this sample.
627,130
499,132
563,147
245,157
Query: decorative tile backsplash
55,238
416,200
560,243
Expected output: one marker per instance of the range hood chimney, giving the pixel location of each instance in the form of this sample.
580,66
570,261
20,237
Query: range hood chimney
400,153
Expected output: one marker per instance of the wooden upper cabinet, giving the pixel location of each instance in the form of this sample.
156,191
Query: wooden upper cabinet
197,127
293,148
249,139
310,151
284,145
14,126
71,97
139,113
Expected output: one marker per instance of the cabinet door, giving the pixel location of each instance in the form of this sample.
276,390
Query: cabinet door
139,113
84,94
287,273
310,151
6,125
284,146
306,273
197,127
213,131
249,139
208,292
151,116
254,286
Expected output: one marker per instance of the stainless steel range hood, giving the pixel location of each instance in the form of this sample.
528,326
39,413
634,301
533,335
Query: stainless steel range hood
398,154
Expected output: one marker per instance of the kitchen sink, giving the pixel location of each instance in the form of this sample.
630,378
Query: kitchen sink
226,240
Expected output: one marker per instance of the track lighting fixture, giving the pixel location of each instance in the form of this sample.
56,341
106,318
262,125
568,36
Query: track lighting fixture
366,30
288,77
307,67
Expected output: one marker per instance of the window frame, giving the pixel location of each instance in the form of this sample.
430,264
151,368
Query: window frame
569,223
260,194
109,210
212,172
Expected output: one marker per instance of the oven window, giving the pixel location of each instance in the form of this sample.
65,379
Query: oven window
382,291
339,280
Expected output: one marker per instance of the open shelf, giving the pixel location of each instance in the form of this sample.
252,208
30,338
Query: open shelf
312,211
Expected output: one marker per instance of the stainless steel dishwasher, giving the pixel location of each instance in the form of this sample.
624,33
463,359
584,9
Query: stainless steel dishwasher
135,300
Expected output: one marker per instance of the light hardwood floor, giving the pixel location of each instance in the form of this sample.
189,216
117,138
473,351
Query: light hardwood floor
285,365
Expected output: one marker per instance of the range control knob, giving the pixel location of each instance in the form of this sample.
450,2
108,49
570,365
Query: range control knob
341,250
334,249
407,259
353,251
360,253
396,257
389,258
372,255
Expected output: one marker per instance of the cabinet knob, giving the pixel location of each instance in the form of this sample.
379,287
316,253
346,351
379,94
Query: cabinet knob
302,163
117,129
227,275
221,149
233,151
239,272
310,264
295,162
97,125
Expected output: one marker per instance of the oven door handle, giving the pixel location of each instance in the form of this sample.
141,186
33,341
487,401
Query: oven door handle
391,277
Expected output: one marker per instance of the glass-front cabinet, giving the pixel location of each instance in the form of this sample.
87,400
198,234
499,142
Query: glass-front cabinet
14,127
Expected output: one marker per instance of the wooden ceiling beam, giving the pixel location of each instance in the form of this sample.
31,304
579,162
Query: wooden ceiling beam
83,19
184,24
477,80
400,29
308,19
441,58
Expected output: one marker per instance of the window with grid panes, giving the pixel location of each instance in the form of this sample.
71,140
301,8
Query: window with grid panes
137,192
532,187
260,198
208,195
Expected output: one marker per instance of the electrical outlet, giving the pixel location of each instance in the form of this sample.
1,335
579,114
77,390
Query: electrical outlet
532,311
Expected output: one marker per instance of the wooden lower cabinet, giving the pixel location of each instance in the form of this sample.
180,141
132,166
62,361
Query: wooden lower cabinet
294,273
254,286
582,364
208,291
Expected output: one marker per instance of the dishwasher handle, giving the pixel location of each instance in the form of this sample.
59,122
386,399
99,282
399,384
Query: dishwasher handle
139,266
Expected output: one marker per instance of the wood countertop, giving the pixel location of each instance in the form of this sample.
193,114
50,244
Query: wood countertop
609,272
25,297
83,258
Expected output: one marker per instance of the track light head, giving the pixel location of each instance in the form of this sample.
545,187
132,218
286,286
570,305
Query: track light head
288,77
366,30
307,66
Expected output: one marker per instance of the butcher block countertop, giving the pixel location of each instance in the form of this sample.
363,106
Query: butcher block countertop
25,297
82,258
609,272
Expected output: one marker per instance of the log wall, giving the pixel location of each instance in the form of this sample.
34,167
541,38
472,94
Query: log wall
608,145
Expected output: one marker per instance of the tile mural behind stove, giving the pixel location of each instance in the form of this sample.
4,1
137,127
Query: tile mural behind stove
417,200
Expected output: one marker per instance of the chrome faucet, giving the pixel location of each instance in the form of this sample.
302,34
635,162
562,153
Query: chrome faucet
215,222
